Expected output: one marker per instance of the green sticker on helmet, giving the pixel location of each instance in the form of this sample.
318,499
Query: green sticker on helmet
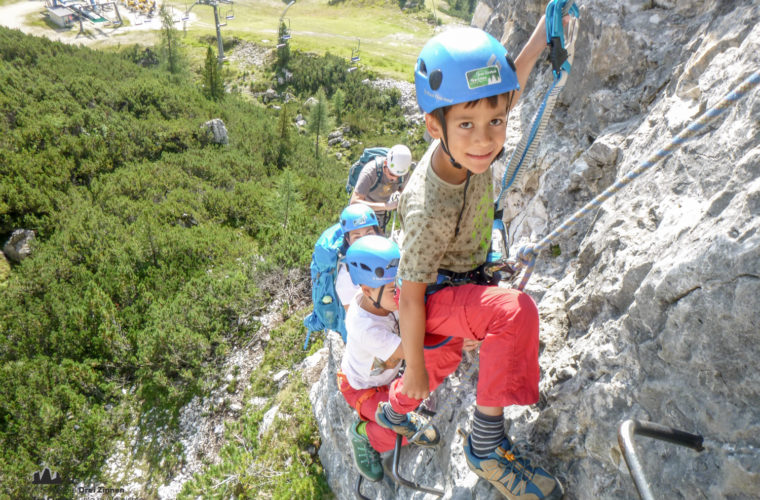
483,76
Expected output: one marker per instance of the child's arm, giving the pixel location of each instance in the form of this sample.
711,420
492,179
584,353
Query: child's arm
395,358
412,322
528,56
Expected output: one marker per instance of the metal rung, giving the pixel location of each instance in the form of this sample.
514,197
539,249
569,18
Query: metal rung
397,477
358,489
286,37
355,59
629,428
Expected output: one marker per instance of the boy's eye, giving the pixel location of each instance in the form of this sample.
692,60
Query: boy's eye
465,125
497,121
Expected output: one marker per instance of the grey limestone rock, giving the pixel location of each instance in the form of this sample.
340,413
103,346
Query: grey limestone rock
650,310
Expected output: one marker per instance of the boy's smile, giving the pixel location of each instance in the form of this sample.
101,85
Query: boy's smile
475,135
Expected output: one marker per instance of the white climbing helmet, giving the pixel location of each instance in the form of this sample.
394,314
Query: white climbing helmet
398,160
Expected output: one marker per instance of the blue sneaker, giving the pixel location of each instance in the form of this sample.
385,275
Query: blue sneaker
416,428
512,474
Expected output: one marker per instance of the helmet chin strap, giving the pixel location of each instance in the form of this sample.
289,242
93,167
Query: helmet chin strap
445,139
376,303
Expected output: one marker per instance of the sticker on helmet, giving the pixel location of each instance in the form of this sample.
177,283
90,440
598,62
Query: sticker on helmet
483,76
360,220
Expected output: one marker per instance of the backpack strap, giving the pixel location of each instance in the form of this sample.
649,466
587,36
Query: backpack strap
378,172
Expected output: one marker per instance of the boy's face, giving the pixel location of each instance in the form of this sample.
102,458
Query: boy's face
475,135
354,235
387,301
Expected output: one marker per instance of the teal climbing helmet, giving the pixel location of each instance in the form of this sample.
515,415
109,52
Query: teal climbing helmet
357,216
373,261
462,65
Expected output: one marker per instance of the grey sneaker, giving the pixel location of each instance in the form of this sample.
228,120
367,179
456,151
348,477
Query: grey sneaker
416,428
512,474
367,460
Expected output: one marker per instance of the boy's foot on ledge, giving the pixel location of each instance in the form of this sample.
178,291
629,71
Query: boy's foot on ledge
415,428
512,474
366,459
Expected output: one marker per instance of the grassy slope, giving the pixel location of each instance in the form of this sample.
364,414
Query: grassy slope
390,38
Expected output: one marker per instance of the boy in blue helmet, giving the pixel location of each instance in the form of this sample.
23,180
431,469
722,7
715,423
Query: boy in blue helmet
373,354
356,221
466,84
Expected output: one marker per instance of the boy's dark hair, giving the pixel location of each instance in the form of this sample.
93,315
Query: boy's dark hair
493,101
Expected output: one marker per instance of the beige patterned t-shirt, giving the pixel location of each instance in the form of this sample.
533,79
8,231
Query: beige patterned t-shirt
429,209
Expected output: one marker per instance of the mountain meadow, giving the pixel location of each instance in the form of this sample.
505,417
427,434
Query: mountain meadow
156,252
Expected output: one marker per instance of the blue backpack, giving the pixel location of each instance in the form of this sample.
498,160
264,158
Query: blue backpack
367,155
328,311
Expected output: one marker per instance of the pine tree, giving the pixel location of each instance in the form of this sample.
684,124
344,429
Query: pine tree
284,144
171,47
213,87
319,119
283,52
338,103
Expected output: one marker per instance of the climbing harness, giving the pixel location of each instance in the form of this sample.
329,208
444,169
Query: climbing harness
526,255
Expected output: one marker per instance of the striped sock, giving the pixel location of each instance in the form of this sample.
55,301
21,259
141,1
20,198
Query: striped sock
487,433
395,418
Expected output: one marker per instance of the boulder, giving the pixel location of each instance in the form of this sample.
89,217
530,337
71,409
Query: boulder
18,247
216,132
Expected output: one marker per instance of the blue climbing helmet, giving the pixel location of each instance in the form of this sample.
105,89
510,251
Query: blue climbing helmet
356,216
462,65
373,261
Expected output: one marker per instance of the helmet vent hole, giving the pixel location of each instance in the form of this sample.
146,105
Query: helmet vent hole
423,68
436,78
379,272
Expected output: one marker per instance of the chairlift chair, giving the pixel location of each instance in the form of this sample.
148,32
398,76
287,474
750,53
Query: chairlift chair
355,54
230,15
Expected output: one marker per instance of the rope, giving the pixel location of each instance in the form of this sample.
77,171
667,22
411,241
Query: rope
527,254
526,148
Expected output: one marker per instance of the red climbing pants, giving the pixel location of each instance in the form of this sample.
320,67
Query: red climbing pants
365,402
505,320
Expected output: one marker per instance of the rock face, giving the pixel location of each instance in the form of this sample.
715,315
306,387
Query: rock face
650,310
